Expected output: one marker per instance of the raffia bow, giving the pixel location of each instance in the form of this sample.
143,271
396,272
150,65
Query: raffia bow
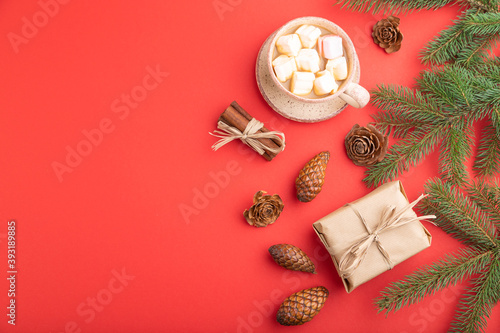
391,219
249,136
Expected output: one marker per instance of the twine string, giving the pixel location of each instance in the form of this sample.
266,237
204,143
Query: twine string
391,219
249,136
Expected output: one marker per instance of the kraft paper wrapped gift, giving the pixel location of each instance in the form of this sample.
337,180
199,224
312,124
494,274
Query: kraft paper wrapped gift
373,234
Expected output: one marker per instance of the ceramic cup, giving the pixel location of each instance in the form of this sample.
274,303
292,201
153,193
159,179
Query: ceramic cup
352,93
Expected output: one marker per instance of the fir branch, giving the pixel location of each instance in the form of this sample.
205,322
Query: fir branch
459,215
406,102
487,161
388,122
488,198
495,120
485,5
477,50
450,270
409,108
482,24
477,304
482,263
447,99
456,148
489,69
405,153
451,87
447,44
394,6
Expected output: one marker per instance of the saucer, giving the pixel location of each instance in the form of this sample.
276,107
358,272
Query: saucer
294,109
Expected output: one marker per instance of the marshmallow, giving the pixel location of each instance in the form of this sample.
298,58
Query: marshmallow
338,68
302,83
325,83
308,35
308,60
330,46
289,45
284,66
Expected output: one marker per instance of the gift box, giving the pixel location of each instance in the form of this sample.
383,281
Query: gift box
373,234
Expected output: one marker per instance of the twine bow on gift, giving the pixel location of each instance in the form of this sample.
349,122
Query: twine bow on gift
249,136
391,219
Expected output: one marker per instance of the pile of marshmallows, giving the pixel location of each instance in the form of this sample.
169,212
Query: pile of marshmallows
300,61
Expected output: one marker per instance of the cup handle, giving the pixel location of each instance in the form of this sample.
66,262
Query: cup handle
355,95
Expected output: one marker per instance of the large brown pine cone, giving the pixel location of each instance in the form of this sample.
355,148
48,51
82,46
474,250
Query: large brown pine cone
291,257
312,177
387,35
302,306
365,145
265,209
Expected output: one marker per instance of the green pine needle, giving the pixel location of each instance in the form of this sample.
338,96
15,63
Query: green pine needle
404,154
488,198
393,6
482,24
447,44
456,148
459,215
441,111
450,270
487,161
473,220
478,302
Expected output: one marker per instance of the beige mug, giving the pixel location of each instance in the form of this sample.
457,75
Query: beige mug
349,91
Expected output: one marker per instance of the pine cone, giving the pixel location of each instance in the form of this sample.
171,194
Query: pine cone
386,34
291,257
365,145
312,177
302,306
265,209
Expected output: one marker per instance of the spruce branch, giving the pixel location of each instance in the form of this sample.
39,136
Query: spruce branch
450,270
456,148
445,105
459,215
400,127
447,44
482,24
477,304
404,154
394,6
410,109
488,156
451,87
407,103
488,198
484,5
468,216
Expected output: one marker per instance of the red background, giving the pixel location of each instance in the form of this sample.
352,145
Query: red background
119,209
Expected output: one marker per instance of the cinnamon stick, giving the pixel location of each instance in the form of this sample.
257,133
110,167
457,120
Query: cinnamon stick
237,117
249,117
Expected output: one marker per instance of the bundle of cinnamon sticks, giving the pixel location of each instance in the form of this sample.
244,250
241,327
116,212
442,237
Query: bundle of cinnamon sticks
238,118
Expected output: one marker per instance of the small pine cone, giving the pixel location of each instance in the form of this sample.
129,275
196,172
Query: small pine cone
291,257
312,177
366,146
265,209
302,306
387,35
